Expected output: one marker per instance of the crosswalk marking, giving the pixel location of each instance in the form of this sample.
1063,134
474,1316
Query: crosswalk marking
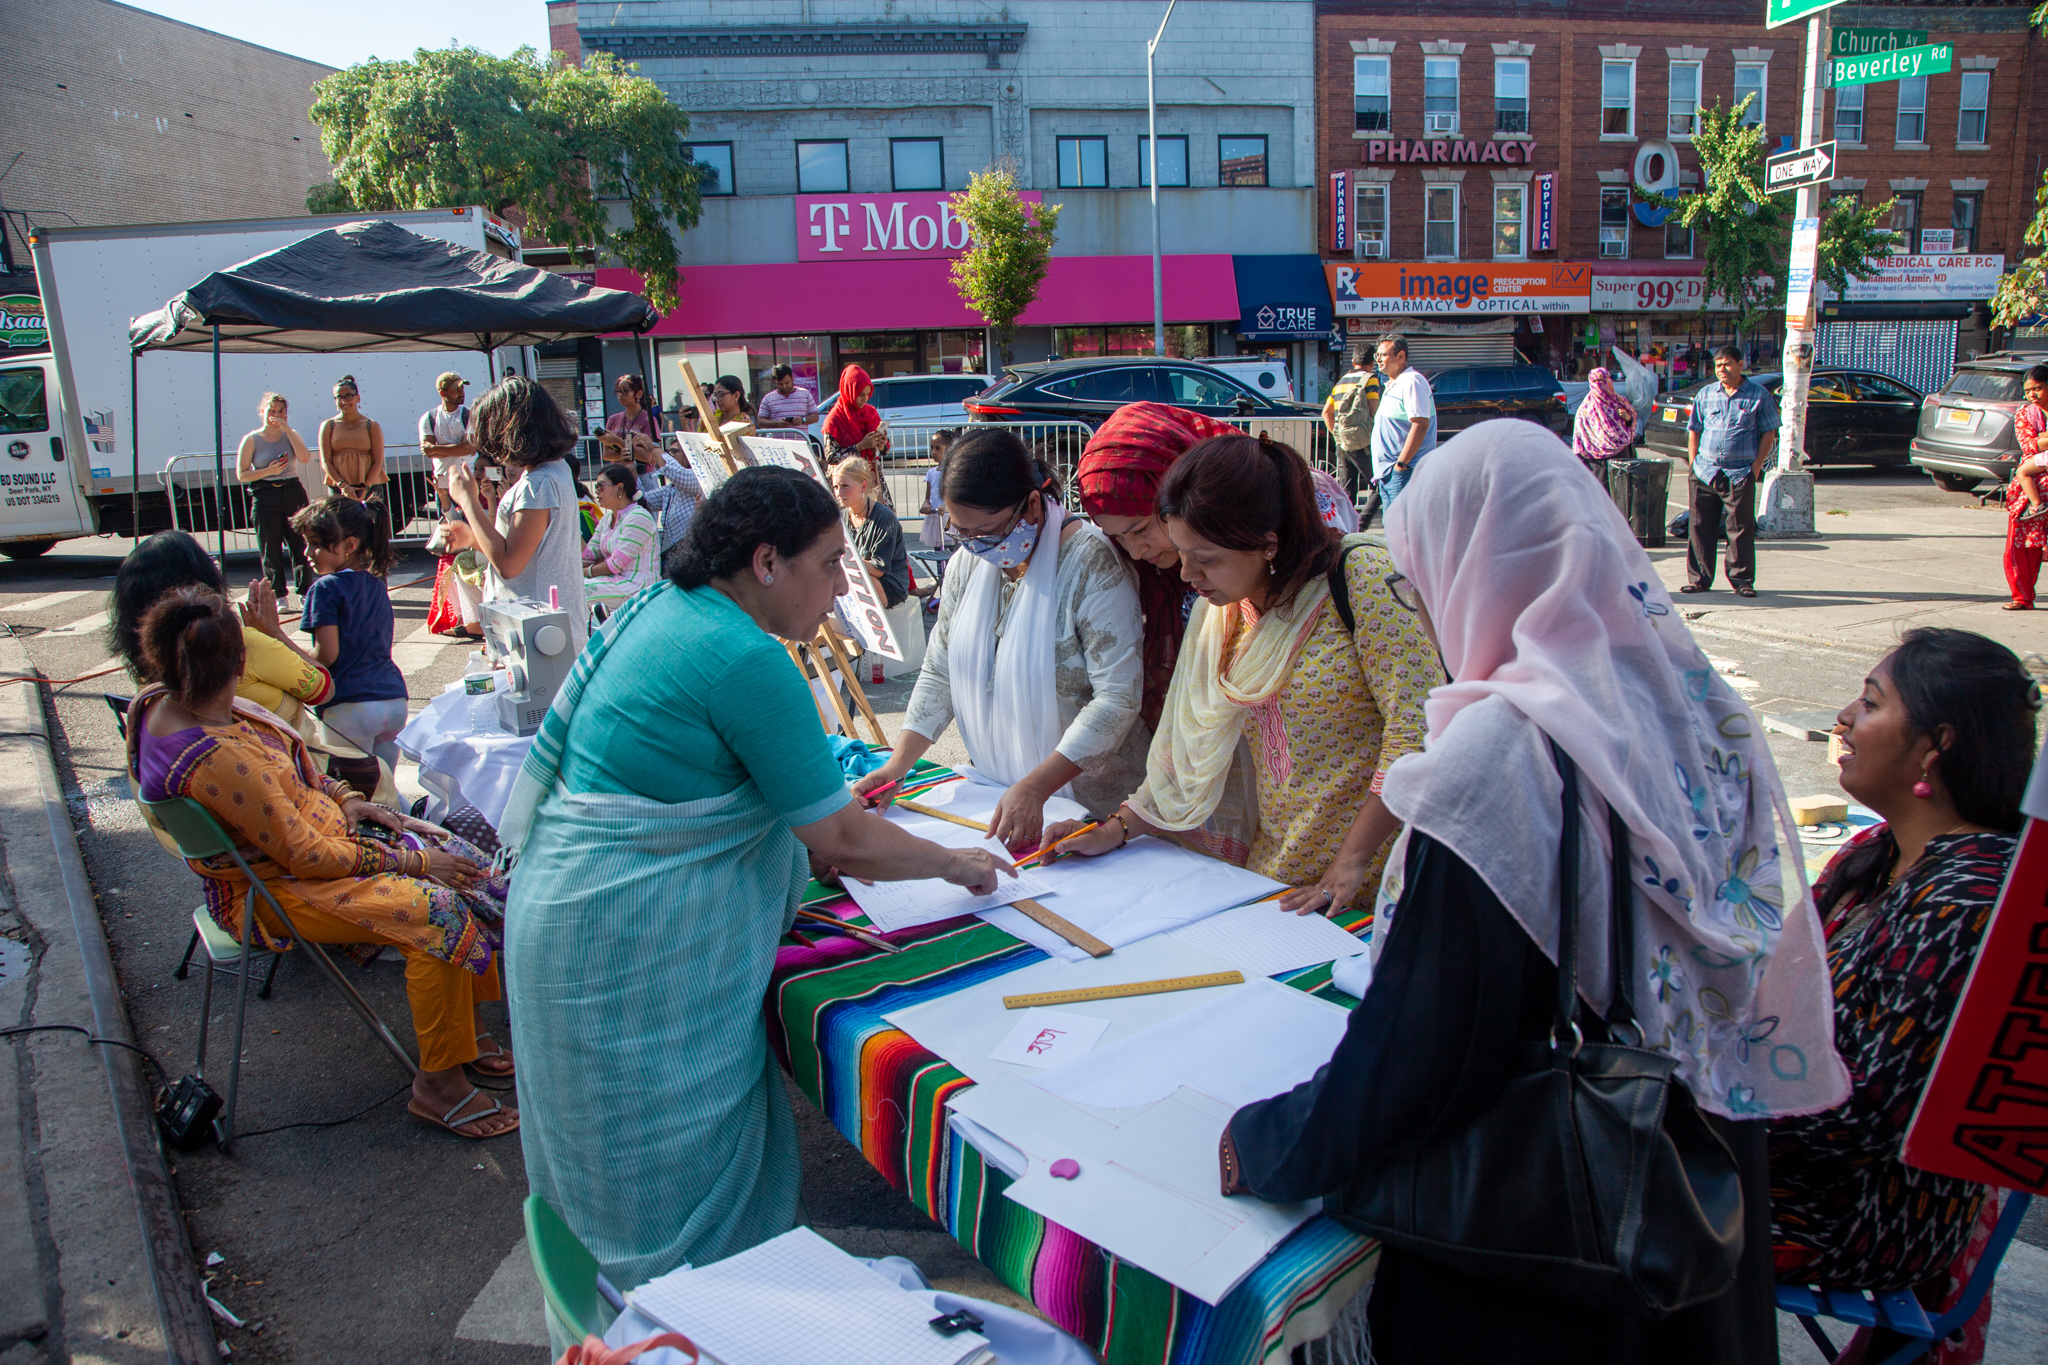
54,599
84,625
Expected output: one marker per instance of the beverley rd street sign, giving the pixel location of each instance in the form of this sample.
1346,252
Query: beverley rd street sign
1905,63
1813,165
1785,11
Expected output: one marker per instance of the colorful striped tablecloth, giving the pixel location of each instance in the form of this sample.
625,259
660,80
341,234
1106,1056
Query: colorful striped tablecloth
888,1095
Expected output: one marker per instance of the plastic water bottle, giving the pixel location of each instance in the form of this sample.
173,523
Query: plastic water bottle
480,688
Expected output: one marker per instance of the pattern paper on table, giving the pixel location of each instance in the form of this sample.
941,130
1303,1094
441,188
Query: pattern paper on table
1264,940
1047,1037
905,905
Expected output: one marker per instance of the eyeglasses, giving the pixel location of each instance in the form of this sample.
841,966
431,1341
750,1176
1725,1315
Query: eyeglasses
989,542
1403,592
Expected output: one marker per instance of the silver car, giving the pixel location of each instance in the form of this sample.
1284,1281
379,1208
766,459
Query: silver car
1966,434
914,405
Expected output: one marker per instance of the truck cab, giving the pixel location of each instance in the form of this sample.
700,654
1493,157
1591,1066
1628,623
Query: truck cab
42,496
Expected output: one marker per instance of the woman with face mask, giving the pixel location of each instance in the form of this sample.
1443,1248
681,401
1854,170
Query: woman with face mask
1036,649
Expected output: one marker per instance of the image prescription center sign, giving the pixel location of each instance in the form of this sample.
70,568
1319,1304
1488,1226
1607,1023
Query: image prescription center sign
1362,289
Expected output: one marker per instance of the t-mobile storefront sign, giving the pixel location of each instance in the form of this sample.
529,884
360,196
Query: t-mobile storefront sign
870,227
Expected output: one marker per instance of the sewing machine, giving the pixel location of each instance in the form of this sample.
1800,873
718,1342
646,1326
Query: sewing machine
533,643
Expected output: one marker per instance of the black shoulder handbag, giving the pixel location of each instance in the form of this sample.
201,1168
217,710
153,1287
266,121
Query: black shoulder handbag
1593,1178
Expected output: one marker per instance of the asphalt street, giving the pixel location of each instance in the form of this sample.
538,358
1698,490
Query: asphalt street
350,1230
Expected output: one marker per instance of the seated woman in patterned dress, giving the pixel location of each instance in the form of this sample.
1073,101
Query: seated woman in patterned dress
1267,657
345,871
1940,745
623,555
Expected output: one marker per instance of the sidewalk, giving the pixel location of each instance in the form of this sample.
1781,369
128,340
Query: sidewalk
93,1253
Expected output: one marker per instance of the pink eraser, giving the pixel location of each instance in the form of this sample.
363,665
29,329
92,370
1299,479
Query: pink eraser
1066,1168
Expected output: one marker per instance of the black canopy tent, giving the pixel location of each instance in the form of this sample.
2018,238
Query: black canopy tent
369,286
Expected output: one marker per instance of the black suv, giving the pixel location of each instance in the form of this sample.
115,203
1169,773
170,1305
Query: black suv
1852,417
1966,433
1469,395
1090,390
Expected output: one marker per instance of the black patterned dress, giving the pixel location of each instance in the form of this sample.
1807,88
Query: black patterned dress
1846,1212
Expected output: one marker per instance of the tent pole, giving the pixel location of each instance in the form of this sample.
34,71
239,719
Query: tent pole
135,451
220,478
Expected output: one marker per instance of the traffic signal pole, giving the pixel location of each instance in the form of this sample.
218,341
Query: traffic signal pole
1785,502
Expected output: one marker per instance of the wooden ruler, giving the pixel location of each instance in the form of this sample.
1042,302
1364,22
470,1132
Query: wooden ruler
1065,928
1083,993
935,813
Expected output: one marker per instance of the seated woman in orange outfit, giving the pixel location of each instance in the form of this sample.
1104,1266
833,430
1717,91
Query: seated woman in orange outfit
345,871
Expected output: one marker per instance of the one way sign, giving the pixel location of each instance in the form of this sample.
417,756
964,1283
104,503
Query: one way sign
1806,166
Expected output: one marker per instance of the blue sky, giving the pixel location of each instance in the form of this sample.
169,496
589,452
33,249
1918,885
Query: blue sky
343,34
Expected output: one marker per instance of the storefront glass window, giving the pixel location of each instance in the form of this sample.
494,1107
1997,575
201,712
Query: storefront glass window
1189,341
1127,341
1071,343
955,353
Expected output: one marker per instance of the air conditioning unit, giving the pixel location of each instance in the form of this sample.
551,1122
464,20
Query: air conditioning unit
1372,250
1439,123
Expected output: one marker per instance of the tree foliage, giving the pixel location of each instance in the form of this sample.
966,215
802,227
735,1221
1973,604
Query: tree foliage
556,148
2024,290
999,274
1745,235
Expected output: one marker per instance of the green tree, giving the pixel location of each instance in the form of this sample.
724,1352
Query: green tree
2024,290
553,147
1746,235
999,274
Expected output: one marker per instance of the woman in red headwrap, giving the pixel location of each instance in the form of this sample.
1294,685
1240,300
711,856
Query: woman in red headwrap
1119,479
854,427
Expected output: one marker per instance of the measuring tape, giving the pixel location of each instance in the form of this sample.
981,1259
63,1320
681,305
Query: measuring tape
1082,993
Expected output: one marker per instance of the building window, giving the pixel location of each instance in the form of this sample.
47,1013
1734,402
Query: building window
1682,106
1617,99
821,168
917,163
1511,95
1614,222
1853,198
1973,122
1912,110
1440,222
1173,161
714,167
1968,212
1241,160
1510,214
1439,95
1905,223
1849,113
1752,78
1370,98
1677,237
1369,230
1084,163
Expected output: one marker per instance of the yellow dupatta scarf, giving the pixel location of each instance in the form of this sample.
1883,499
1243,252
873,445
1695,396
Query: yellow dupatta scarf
1226,668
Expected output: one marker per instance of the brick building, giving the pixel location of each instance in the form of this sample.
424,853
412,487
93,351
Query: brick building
113,115
1512,106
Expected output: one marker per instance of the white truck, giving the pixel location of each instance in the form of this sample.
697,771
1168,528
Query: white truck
71,467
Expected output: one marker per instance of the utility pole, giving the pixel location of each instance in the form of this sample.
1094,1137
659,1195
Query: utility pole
1152,177
1785,502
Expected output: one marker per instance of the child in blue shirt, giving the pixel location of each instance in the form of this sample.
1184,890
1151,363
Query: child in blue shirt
348,613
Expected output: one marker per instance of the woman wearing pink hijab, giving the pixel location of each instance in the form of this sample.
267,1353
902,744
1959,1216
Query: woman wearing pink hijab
1606,424
1564,655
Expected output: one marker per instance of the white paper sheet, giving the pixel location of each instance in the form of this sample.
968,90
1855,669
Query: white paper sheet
1148,1187
1148,887
1045,1037
1264,940
1238,1046
905,905
965,1026
777,1301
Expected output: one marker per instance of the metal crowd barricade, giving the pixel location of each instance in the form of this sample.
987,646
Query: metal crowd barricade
194,497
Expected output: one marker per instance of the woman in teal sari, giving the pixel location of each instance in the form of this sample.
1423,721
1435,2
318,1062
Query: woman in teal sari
660,826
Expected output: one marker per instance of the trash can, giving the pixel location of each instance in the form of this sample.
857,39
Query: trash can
1639,488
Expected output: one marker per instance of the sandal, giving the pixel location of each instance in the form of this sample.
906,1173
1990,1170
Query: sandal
455,1126
2017,606
497,1063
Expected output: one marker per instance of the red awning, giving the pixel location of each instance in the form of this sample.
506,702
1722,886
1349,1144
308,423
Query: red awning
801,297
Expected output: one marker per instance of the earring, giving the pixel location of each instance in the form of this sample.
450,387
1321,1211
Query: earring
767,578
1269,566
1923,788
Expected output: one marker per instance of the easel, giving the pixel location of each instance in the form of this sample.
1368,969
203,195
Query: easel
823,653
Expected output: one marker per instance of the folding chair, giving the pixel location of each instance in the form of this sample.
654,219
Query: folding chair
569,1278
192,827
1899,1311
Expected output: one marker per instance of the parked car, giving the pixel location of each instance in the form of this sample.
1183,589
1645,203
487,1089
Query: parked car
913,405
1090,390
1255,372
1468,395
1965,432
1852,417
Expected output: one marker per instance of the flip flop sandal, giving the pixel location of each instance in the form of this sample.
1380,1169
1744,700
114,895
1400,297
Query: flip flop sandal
455,1126
500,1064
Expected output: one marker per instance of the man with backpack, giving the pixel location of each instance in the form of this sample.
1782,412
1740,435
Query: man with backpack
1349,414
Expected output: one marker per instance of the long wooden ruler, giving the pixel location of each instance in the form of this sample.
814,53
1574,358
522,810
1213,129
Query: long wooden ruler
935,813
1065,928
1081,993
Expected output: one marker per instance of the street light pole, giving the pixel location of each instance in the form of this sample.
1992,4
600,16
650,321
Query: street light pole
1786,498
1152,155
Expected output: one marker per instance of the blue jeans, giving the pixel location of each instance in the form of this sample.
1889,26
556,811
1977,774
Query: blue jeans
1393,481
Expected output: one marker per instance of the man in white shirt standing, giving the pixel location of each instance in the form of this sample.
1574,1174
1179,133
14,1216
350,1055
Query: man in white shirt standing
444,440
1404,428
785,408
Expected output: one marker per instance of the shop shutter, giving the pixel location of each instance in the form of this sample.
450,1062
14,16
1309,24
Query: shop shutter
1430,354
1920,352
558,367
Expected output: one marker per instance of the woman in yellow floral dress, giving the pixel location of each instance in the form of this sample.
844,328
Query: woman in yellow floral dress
1325,705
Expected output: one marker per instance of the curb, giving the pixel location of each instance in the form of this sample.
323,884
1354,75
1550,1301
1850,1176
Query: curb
174,1273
